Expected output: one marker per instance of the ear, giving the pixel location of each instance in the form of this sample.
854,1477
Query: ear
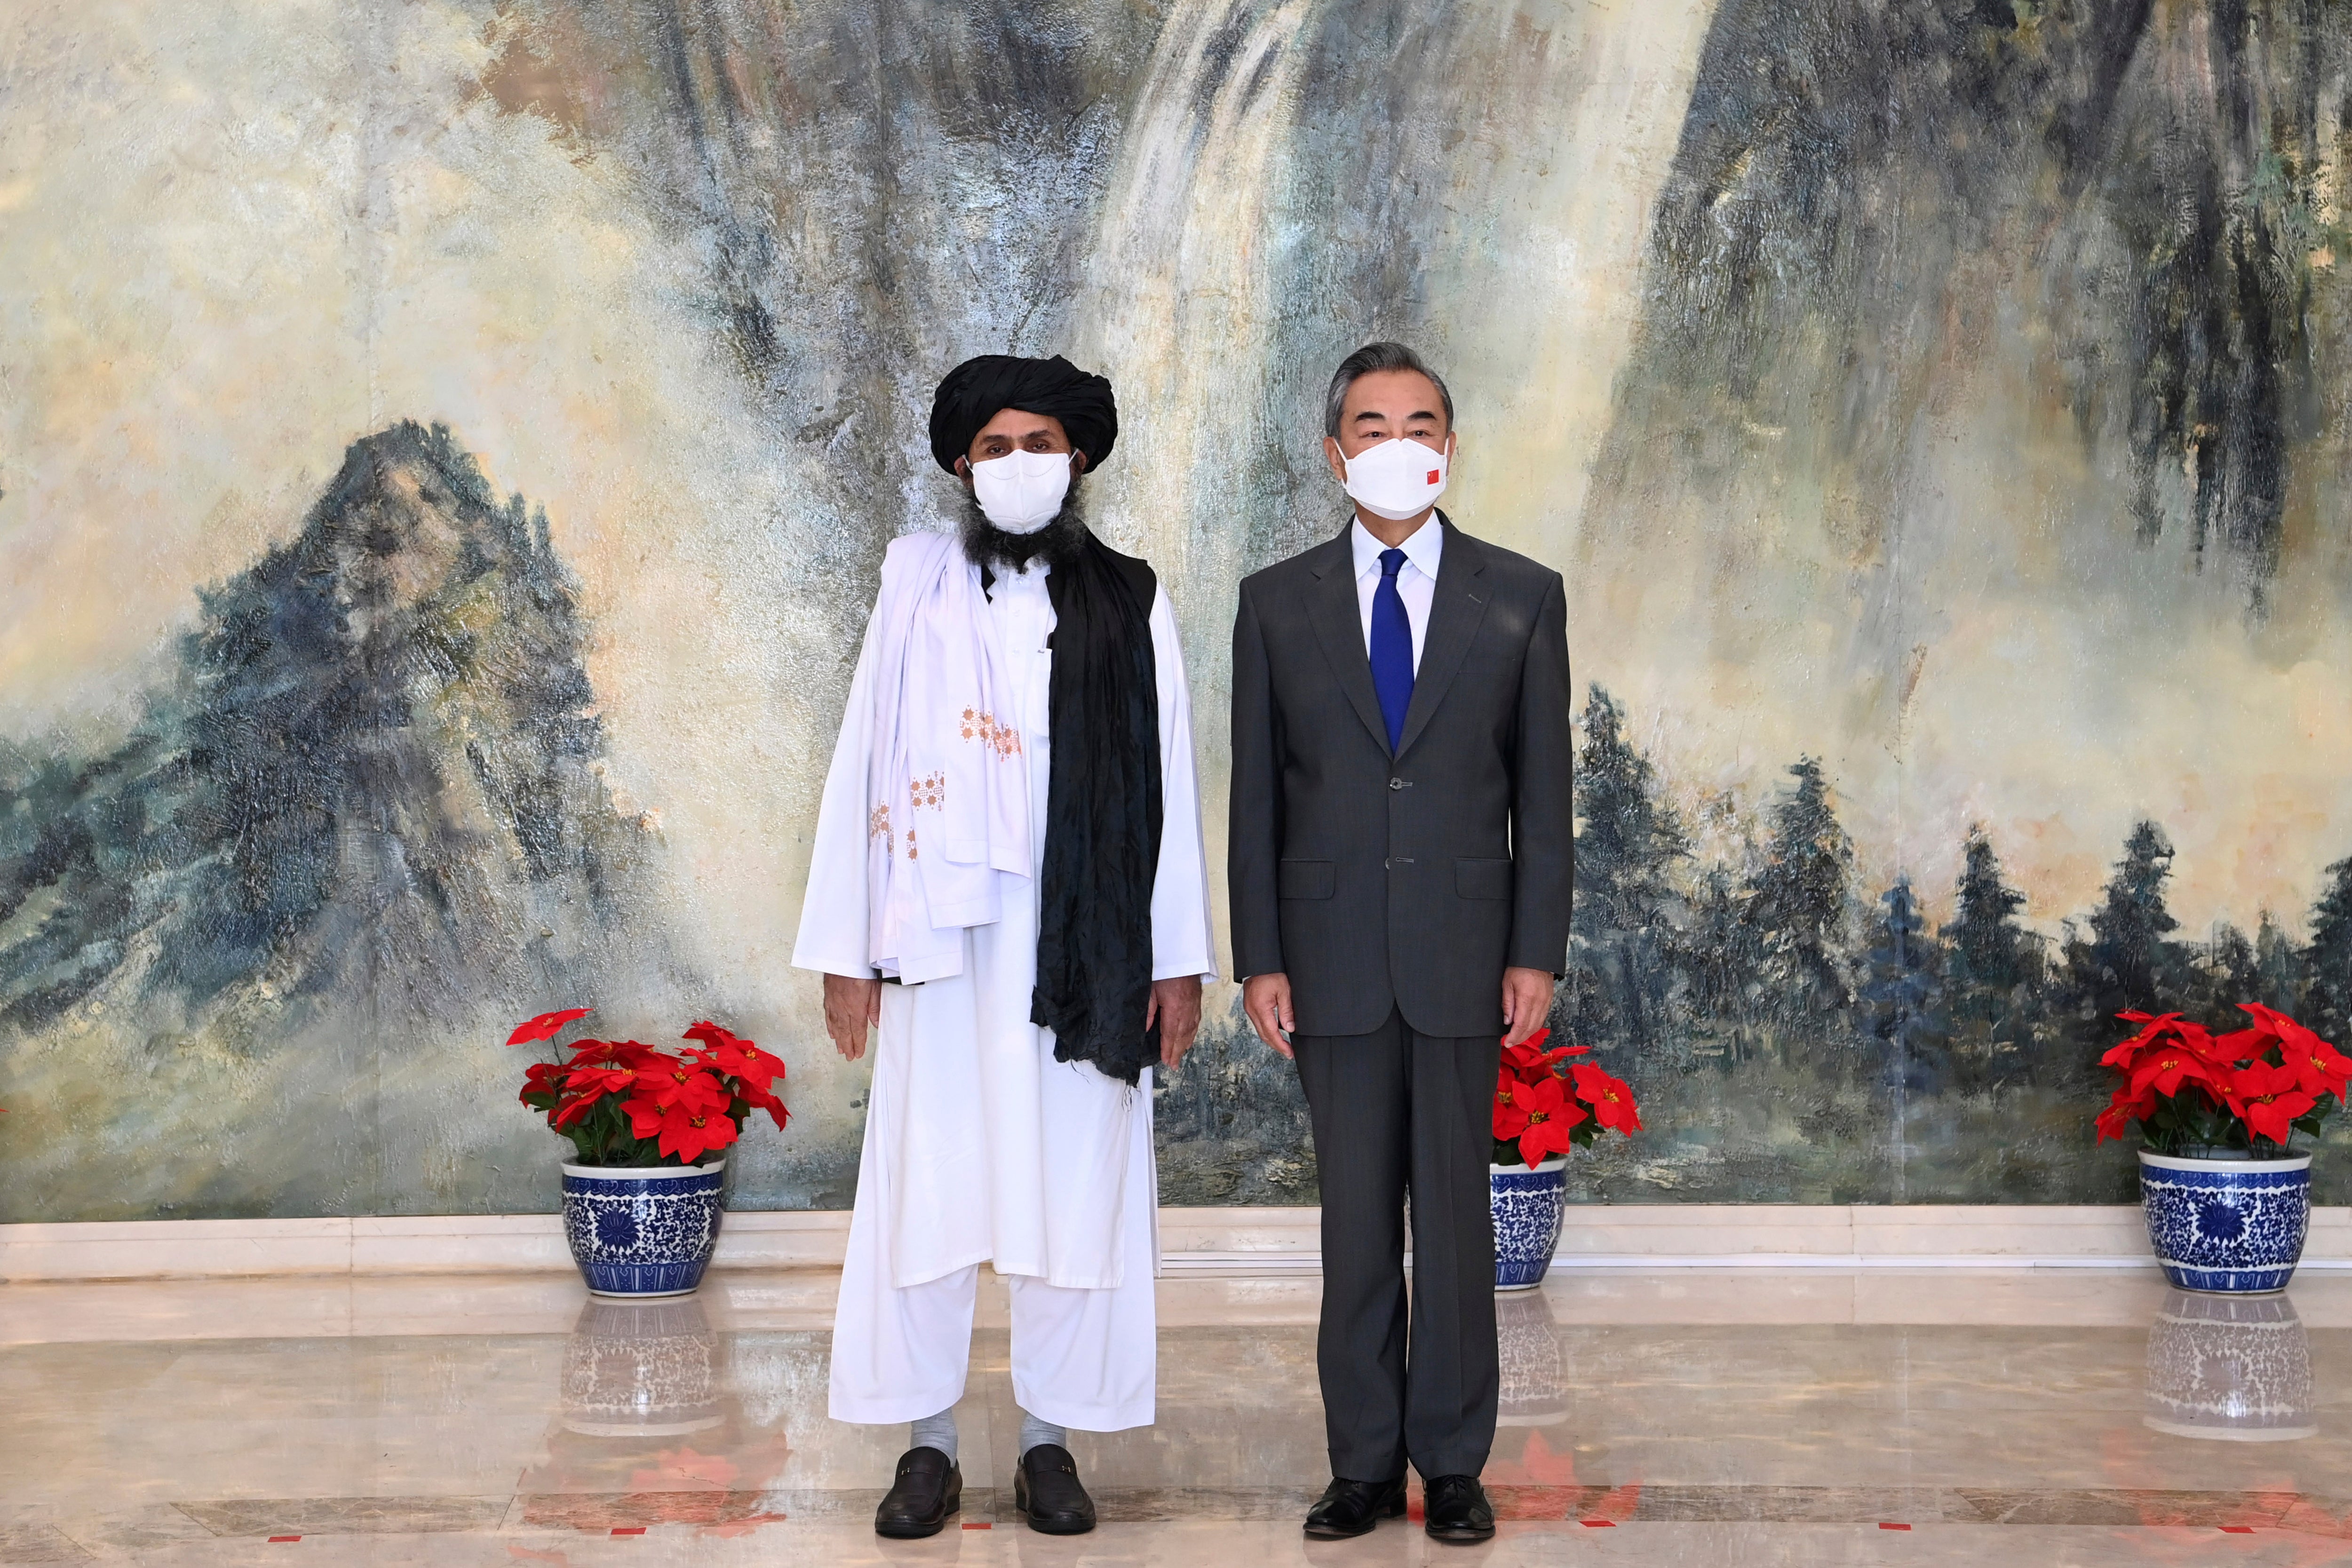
1077,462
1337,459
963,472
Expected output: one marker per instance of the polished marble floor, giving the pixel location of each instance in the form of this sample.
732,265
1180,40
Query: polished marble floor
1822,1416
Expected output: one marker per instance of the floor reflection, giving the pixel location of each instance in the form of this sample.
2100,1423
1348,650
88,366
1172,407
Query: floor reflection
650,1428
1799,1417
2231,1368
641,1369
1534,1392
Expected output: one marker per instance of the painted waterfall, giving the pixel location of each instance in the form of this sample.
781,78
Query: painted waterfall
449,446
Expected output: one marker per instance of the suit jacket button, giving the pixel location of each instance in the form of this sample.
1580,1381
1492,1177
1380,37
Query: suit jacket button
1396,783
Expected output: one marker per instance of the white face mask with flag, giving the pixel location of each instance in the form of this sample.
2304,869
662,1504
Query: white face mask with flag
1398,478
1021,492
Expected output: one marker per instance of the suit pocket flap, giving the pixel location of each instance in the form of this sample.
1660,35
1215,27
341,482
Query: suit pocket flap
1305,878
1482,878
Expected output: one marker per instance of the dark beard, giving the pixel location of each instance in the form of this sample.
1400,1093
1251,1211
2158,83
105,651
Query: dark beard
987,546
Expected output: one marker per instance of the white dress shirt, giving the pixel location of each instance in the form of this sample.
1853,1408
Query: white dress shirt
1416,580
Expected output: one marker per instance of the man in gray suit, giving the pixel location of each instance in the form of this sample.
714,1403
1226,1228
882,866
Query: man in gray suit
1402,846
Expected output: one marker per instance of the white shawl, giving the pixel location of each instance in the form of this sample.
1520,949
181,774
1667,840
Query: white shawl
948,779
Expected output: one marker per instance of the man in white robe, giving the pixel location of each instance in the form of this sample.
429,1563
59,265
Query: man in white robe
924,913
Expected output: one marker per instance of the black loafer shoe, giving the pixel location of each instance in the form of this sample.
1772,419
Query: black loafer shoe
929,1487
1351,1508
1457,1512
1045,1489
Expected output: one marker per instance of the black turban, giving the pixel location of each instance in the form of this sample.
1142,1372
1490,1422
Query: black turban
978,390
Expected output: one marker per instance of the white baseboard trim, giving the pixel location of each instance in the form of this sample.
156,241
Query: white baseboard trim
1196,1241
424,1244
1243,1265
1789,1260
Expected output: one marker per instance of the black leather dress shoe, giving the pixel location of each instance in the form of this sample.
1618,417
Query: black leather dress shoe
1351,1508
929,1487
1045,1489
1456,1510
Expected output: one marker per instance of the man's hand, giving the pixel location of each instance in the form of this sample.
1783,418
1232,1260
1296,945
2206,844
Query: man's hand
852,1006
1176,1007
1266,999
1527,1002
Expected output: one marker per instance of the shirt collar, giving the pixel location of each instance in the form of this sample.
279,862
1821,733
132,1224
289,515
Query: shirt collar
1423,549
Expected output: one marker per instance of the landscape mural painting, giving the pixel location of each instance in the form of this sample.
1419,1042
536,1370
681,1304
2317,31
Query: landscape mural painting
449,448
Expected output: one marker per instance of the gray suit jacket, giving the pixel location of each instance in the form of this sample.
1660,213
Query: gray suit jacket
1409,880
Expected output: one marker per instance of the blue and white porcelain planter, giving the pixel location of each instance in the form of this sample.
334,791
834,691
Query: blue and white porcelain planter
1528,1206
2226,1227
638,1231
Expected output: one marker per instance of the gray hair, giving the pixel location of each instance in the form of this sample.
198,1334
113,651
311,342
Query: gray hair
1364,362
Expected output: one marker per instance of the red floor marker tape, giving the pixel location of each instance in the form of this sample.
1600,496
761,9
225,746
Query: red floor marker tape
284,1538
628,1530
2237,1530
979,1527
1598,1523
1884,1525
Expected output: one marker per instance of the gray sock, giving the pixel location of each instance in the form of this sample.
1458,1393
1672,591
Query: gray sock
1034,1432
935,1431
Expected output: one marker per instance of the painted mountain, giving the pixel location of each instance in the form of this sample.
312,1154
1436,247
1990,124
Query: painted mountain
366,821
1983,442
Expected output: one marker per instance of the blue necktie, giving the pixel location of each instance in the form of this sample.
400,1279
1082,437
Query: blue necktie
1391,647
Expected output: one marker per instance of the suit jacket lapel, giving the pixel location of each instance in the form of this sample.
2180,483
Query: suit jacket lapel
1339,625
1457,607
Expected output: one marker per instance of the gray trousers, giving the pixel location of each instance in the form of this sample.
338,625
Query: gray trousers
1398,1113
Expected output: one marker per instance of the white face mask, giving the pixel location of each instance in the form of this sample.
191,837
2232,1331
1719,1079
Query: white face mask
1398,478
1021,492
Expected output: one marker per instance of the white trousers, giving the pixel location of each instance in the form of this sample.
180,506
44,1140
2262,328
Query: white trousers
1084,1359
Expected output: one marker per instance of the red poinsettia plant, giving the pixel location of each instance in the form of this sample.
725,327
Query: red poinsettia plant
2191,1090
1544,1102
623,1103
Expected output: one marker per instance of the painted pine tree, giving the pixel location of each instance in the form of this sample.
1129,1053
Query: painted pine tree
1626,850
1991,954
1994,976
1717,957
2129,961
1902,994
2278,967
2327,958
1797,903
2219,973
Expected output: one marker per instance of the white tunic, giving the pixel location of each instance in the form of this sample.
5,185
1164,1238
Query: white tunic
979,1146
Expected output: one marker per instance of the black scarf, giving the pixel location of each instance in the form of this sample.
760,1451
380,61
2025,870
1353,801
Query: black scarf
1102,814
